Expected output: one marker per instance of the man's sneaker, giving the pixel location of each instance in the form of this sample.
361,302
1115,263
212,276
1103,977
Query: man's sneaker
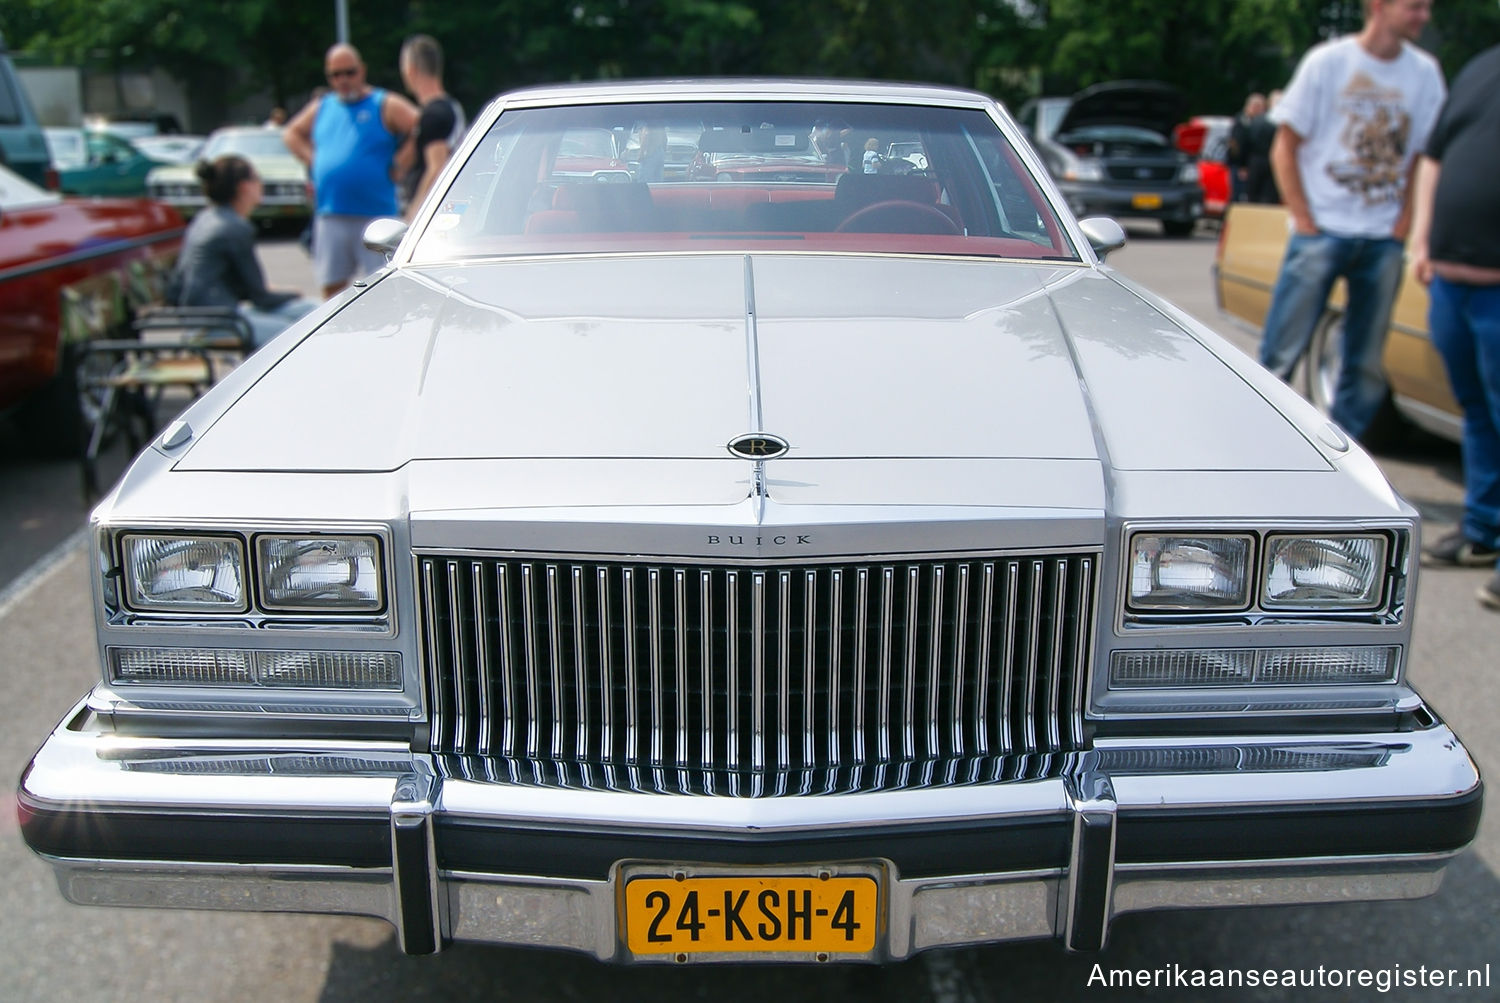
1489,592
1457,550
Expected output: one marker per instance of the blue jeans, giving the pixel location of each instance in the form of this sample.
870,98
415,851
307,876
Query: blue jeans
1465,325
1371,268
267,324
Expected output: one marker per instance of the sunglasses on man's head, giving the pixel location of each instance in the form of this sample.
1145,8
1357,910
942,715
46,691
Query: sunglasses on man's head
345,72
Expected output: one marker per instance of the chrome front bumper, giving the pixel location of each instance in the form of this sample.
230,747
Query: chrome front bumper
371,829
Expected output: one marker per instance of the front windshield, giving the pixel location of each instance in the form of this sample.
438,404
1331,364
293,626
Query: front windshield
730,175
249,143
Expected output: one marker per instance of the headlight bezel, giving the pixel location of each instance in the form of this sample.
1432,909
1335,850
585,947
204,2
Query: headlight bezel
119,610
1376,596
1385,605
1170,609
262,561
131,596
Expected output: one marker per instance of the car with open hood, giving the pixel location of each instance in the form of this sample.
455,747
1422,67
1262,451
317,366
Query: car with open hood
1109,148
822,567
285,194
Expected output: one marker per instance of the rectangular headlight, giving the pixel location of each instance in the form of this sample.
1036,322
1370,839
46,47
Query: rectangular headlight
1318,572
339,574
184,573
1184,572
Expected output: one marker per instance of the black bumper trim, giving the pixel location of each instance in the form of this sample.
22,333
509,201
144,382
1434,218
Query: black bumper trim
105,834
1172,836
1142,837
917,851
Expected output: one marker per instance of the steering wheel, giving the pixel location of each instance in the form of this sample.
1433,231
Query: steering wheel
899,216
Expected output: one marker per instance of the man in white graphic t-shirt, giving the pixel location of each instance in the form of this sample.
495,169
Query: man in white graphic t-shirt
1358,110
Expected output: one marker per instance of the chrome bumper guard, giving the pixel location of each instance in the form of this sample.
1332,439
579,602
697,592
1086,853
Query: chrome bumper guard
82,773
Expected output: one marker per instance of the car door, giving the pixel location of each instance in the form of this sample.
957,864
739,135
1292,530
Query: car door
115,167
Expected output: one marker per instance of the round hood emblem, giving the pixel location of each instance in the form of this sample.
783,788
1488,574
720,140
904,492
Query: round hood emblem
759,446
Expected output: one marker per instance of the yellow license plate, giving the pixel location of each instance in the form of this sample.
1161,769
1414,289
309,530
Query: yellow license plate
732,915
1145,201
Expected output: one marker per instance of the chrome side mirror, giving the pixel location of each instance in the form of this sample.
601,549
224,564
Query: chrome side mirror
384,235
1104,234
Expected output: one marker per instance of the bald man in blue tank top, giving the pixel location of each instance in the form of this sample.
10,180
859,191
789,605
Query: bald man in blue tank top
350,140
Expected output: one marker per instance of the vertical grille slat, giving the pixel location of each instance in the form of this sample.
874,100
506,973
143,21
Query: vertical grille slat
680,656
784,671
632,679
554,652
655,666
1056,657
706,663
533,660
909,683
810,666
482,661
905,667
887,643
960,660
982,666
1008,655
935,666
509,733
580,671
456,619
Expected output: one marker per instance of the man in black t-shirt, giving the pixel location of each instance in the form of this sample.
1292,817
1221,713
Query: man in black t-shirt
440,125
1454,250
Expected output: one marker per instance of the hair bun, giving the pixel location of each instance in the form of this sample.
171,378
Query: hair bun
205,171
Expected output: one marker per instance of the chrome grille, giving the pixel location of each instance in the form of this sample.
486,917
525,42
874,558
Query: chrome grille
751,669
810,782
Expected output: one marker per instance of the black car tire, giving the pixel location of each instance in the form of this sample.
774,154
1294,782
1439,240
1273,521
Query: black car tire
1320,375
1178,227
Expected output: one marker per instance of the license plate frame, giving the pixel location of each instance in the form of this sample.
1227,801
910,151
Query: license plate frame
657,908
1145,200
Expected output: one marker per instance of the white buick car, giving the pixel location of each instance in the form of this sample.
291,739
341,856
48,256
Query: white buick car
807,566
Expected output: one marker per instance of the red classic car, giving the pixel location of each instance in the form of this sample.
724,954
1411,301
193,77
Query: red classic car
71,270
1206,137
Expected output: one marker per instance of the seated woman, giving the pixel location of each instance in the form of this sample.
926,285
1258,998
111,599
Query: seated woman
217,265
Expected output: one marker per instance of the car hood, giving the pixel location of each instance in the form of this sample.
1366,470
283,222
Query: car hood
1142,103
669,358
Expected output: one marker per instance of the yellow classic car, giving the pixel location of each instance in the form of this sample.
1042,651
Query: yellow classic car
1251,245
